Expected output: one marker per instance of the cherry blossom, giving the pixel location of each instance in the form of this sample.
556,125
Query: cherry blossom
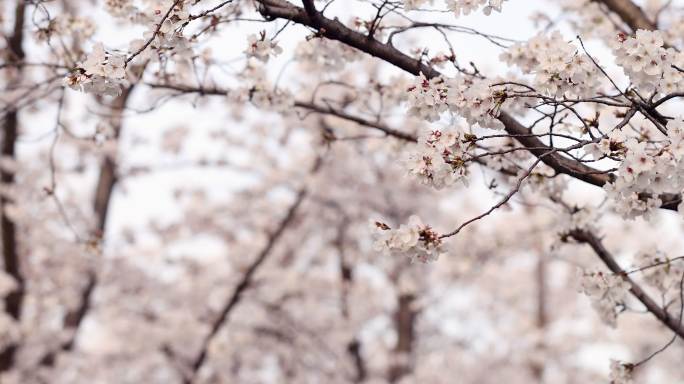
620,373
198,211
101,73
414,239
261,47
607,293
440,159
465,7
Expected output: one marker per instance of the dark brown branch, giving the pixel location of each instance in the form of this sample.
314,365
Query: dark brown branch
335,30
661,314
630,14
359,120
10,129
354,350
107,179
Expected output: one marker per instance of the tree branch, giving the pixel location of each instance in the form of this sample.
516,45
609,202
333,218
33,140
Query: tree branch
335,30
325,110
630,13
107,179
103,194
661,314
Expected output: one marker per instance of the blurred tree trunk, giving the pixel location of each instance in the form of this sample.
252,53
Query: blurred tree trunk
10,129
404,323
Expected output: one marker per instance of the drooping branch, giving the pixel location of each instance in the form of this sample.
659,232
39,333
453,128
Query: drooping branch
10,129
335,30
589,238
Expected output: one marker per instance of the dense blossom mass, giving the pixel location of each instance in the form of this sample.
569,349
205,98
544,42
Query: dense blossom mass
186,189
607,293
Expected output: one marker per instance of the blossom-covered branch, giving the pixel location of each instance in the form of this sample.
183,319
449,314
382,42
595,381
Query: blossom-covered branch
585,236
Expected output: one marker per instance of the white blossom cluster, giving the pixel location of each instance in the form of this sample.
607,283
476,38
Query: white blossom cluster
427,98
260,92
101,73
584,219
591,20
261,47
178,16
168,38
558,68
651,66
658,270
459,7
609,145
278,100
645,172
607,293
620,373
476,100
439,159
324,54
465,7
414,240
67,25
411,5
120,8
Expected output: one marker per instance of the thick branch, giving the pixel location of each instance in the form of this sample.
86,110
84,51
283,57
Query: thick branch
335,30
661,314
556,161
630,13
